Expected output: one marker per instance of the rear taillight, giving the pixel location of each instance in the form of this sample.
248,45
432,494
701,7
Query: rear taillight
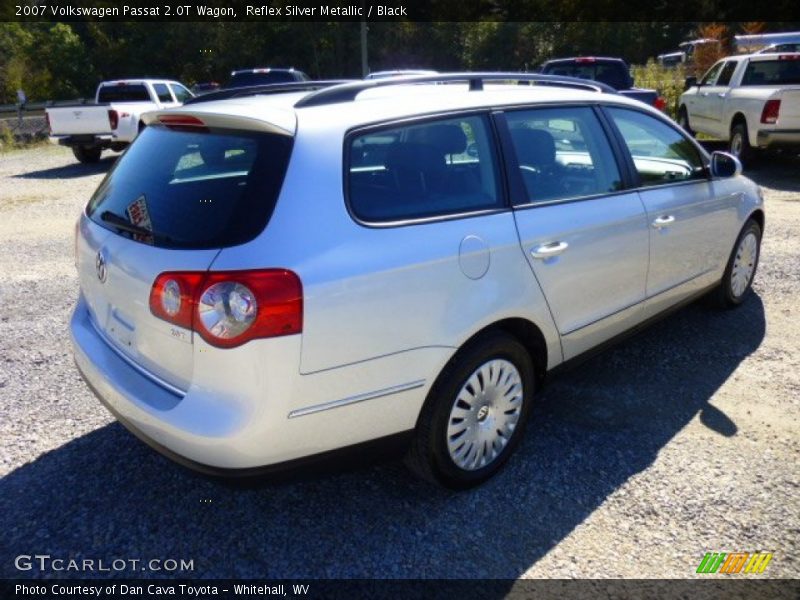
230,308
770,112
660,103
113,119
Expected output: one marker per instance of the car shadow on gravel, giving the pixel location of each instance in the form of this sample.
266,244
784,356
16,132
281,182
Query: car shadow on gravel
106,495
73,170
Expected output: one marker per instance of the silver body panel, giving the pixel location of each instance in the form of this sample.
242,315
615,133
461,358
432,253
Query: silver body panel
385,308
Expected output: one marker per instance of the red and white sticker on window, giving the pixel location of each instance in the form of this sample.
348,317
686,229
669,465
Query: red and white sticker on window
137,213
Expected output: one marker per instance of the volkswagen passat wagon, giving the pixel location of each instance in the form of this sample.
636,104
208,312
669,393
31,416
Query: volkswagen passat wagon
269,278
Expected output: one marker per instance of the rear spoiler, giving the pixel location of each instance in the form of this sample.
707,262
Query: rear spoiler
281,122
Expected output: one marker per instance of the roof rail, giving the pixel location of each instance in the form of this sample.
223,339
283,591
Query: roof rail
347,92
266,89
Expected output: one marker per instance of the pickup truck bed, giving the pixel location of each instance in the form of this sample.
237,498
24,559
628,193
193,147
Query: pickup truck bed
114,120
750,101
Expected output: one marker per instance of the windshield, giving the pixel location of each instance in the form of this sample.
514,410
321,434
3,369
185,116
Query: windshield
192,189
773,72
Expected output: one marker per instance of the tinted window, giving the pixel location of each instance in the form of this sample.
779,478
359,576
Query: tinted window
726,73
194,189
711,74
181,93
772,72
162,91
435,168
249,78
562,153
661,154
614,74
123,93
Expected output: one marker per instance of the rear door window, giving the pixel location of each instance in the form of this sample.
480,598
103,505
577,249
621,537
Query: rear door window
726,73
562,153
162,91
120,92
193,189
430,169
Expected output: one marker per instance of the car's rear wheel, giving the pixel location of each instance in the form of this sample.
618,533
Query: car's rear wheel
741,269
475,414
739,144
87,154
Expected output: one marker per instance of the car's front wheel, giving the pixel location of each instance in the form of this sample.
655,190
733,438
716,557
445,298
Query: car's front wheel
741,268
475,414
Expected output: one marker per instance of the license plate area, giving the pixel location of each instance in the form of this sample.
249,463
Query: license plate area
120,331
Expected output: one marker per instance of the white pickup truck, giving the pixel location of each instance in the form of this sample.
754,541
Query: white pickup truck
751,101
114,120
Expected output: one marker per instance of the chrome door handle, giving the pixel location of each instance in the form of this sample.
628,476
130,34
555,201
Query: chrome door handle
550,249
663,221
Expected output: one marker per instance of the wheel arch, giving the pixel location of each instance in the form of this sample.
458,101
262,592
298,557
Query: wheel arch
758,216
524,331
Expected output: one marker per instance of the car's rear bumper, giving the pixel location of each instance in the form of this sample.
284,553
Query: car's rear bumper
778,138
88,140
248,407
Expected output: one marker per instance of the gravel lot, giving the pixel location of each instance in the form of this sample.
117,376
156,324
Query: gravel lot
681,441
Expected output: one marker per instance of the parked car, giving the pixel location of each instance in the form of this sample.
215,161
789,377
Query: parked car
611,71
199,89
263,76
269,278
116,117
750,101
398,73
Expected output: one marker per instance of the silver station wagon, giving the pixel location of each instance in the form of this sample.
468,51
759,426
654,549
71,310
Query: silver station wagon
297,269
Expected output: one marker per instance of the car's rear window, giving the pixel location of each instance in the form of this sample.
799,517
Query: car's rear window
613,74
265,78
772,72
193,189
123,93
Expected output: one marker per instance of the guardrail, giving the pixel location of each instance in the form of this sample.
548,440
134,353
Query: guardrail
32,107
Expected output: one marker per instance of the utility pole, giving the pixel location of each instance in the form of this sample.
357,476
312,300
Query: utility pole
364,64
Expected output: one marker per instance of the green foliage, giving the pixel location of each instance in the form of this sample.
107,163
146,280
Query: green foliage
667,81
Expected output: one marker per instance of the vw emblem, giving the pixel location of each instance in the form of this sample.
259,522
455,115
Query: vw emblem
100,266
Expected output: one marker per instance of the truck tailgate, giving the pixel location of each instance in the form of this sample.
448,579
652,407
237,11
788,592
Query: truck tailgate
79,119
789,115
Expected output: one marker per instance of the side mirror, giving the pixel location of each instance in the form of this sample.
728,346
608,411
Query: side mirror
689,82
725,165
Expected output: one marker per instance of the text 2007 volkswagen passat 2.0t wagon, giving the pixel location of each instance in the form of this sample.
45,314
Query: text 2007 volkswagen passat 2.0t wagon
269,274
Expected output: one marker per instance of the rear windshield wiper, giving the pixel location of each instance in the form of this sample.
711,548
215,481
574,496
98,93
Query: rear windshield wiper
125,225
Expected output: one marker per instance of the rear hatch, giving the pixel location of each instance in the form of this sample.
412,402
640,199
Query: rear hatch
172,201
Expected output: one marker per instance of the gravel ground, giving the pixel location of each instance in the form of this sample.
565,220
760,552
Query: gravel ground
681,441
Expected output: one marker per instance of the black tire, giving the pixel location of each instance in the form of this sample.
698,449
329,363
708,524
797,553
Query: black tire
429,456
683,121
725,295
739,144
87,154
